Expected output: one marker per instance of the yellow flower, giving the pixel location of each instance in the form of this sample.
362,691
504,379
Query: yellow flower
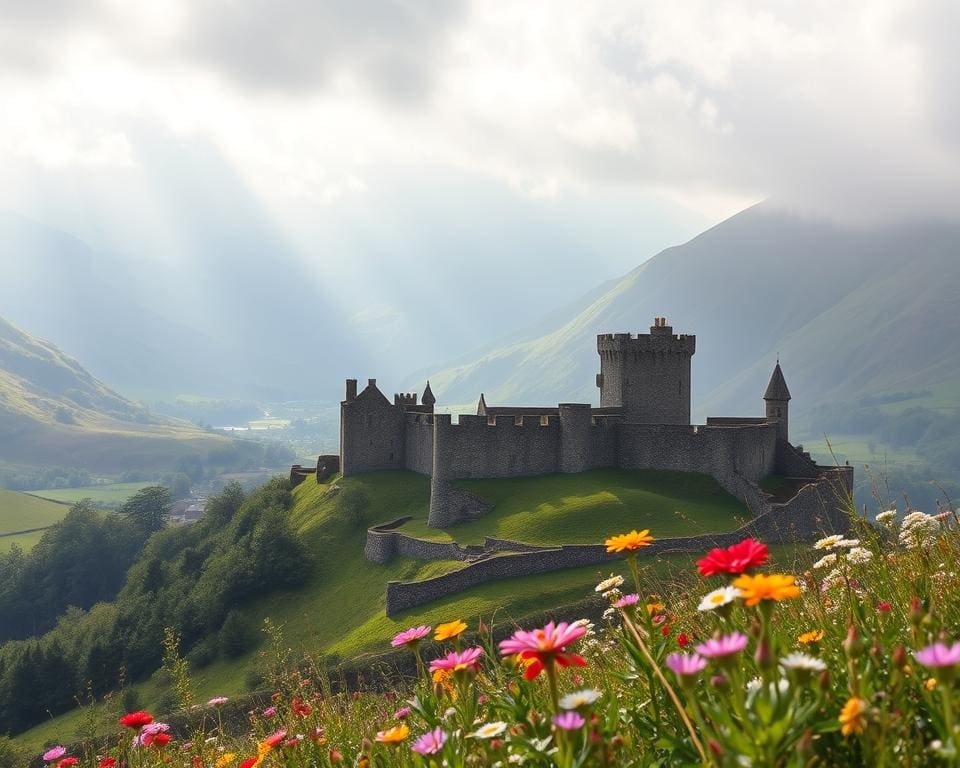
813,636
774,586
226,759
852,716
449,630
653,608
931,683
629,542
393,735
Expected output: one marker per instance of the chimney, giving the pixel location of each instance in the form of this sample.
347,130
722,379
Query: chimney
351,389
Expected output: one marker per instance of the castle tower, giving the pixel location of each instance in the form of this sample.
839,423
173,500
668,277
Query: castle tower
777,399
648,375
428,398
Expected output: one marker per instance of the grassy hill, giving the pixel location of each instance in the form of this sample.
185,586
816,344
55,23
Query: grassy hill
52,412
339,613
21,512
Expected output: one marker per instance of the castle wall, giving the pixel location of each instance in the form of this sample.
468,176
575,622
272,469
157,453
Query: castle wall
418,442
371,435
500,446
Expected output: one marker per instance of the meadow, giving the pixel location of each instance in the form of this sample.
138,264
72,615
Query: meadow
110,494
22,518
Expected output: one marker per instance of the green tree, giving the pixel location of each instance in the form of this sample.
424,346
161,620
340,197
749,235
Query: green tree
149,507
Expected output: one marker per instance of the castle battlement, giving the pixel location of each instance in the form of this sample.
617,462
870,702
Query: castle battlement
642,422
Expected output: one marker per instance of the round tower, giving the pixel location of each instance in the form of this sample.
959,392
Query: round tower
648,375
777,400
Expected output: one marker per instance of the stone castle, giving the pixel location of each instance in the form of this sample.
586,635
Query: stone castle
642,422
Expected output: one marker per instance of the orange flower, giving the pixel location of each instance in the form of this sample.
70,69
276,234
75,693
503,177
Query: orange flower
852,716
774,586
813,636
653,608
629,542
393,735
449,630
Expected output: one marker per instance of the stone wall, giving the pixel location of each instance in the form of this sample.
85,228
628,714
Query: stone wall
815,511
418,442
500,446
371,433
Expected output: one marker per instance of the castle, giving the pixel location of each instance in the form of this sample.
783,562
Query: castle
642,422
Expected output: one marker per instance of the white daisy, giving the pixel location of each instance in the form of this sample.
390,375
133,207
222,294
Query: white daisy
489,730
606,585
802,661
886,517
718,597
859,555
578,699
826,561
828,542
846,543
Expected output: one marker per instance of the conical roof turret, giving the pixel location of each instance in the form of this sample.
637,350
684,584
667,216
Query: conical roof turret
777,388
428,398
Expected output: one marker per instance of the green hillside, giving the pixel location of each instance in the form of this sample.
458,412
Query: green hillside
21,515
339,612
52,412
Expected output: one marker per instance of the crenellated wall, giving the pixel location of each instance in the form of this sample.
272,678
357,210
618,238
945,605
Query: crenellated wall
500,446
418,442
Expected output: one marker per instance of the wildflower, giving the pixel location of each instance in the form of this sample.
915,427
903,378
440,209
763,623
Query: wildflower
410,637
225,760
67,762
803,662
884,606
627,600
250,762
54,754
653,608
629,542
401,713
299,708
828,542
852,716
846,543
767,587
275,738
449,630
826,561
217,701
579,699
269,711
393,735
456,661
726,645
430,743
813,636
686,664
157,740
614,582
886,517
107,762
718,598
569,721
136,719
545,646
489,730
859,555
939,655
608,614
737,558
683,639
930,683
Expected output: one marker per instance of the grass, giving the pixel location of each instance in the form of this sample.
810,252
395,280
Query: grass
585,508
858,449
112,493
340,610
23,512
25,541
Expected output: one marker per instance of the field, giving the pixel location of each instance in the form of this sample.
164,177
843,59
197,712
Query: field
112,494
21,512
340,612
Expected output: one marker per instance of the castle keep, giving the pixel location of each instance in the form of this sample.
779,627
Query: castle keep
642,422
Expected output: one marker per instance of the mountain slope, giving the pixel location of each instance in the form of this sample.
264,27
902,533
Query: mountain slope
850,313
53,412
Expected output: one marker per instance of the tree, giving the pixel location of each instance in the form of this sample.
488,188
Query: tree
149,507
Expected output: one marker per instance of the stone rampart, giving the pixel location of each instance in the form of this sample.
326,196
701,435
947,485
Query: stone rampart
502,446
418,437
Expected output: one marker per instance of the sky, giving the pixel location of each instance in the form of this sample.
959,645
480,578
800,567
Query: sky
549,145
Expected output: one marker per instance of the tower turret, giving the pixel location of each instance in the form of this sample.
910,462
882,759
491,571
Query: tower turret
428,398
777,399
648,375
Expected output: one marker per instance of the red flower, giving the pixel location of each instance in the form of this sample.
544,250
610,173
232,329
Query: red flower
160,740
275,738
136,719
248,763
683,640
299,708
884,607
107,762
67,762
737,558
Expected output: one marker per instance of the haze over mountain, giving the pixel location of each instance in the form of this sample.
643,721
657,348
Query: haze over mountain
53,412
851,312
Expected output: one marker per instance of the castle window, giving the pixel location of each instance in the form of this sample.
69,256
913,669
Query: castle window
544,421
518,421
491,421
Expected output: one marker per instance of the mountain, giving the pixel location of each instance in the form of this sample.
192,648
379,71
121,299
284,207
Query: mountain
54,413
850,312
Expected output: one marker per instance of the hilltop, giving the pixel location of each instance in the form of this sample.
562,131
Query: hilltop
53,412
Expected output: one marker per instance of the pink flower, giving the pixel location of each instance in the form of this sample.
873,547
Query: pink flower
727,645
54,754
410,637
430,743
686,664
148,734
217,701
626,600
456,661
545,646
939,655
569,721
402,713
269,711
